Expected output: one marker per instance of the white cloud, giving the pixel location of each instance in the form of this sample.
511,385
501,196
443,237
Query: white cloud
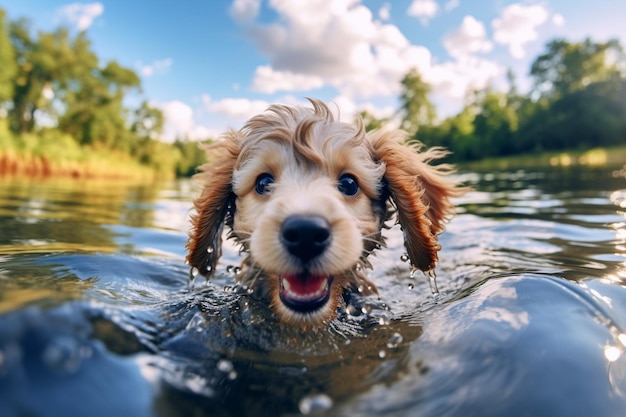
347,48
309,47
179,122
157,67
235,108
469,38
453,80
79,14
518,25
558,19
451,5
384,13
267,80
245,10
423,9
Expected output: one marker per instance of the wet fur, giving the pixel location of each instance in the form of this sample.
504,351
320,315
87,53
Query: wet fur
307,150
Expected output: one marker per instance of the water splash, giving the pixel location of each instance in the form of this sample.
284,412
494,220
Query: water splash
315,403
394,340
432,281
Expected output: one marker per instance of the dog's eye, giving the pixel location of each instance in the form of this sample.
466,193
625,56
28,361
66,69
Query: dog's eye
262,183
348,185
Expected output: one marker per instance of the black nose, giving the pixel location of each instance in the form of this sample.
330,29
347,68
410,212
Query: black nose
305,236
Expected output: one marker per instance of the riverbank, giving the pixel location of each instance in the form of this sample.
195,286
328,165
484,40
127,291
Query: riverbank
53,154
591,157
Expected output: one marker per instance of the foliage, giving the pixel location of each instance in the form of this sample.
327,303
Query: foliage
578,101
8,69
63,103
416,108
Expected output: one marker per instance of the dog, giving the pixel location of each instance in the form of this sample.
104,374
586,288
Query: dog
306,197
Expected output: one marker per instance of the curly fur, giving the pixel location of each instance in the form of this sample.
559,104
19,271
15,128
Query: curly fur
306,151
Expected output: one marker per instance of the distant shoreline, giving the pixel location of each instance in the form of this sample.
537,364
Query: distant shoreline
13,164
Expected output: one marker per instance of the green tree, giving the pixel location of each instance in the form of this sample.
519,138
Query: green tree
371,122
569,67
8,67
416,108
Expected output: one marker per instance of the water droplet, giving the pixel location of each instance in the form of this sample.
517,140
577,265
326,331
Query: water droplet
352,310
394,340
366,309
224,365
432,280
410,286
382,354
250,290
236,270
404,257
196,322
384,319
193,272
209,268
315,403
210,249
229,268
358,267
360,288
232,375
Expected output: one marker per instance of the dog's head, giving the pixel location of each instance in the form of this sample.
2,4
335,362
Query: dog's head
306,197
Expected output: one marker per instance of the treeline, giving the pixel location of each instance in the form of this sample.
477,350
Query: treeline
577,102
61,109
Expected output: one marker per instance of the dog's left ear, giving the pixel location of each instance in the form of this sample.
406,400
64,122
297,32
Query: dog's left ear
420,192
214,207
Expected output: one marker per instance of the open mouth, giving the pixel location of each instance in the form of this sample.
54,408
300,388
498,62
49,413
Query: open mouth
304,292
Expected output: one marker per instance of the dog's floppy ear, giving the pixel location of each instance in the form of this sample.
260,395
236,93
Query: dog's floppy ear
214,207
420,192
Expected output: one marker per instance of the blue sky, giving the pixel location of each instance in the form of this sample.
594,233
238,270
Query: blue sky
212,64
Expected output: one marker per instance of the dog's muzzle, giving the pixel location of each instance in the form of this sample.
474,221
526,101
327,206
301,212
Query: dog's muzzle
305,237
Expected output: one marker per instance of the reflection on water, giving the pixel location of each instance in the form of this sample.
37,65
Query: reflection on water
97,316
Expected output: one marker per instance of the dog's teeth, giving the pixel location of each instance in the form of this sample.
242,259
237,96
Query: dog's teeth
286,285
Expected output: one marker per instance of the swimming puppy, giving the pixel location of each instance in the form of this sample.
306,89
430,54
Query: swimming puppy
306,197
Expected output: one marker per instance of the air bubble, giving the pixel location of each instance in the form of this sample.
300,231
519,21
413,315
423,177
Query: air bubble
410,286
382,354
315,403
224,365
404,257
394,340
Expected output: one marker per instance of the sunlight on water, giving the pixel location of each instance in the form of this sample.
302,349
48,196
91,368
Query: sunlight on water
529,297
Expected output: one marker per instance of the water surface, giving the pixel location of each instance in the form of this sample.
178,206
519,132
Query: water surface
97,317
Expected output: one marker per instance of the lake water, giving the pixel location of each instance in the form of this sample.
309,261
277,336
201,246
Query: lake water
97,317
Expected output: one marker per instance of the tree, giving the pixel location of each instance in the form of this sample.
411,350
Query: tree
370,122
415,106
569,67
8,68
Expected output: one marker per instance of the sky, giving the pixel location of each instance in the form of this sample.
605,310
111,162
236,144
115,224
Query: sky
210,65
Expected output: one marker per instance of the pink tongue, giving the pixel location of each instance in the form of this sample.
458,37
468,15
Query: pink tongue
305,284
